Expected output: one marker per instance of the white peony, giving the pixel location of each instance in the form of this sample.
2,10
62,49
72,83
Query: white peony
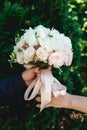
54,33
42,54
68,58
44,42
52,44
56,59
56,44
29,54
41,31
67,43
29,37
68,53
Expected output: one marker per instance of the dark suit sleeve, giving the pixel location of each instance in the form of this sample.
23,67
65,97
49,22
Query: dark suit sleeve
12,90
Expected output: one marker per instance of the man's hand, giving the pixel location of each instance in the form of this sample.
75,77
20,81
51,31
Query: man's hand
30,74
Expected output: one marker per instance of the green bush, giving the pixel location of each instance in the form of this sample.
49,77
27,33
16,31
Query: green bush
62,15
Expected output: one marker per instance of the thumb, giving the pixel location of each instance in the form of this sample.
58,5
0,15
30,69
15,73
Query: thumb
36,70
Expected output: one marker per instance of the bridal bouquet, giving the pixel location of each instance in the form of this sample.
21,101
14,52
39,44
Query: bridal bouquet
43,47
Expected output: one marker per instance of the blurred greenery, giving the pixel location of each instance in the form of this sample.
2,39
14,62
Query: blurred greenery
70,18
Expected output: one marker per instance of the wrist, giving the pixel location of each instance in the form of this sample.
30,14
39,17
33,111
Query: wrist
68,103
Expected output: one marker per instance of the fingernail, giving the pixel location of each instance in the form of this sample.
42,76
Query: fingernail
37,105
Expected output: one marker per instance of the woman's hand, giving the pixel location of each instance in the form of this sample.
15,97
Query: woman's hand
59,102
69,101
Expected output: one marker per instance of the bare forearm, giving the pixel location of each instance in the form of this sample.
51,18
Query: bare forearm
68,101
78,103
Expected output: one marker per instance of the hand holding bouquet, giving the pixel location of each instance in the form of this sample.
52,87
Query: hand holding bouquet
43,47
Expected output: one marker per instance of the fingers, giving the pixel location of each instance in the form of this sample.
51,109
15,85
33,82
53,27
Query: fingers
38,99
37,70
34,69
46,106
38,106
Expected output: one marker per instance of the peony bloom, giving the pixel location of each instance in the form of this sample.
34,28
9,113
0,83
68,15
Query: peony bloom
42,54
68,58
67,43
55,44
54,33
29,37
41,32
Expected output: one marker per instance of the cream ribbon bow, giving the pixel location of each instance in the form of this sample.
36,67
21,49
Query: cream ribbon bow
45,84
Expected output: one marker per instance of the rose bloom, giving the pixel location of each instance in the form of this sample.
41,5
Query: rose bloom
42,54
29,54
56,59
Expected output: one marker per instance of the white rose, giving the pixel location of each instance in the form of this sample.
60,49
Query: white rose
42,54
29,37
29,54
56,59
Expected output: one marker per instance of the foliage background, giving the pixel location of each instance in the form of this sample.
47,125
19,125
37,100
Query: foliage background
70,18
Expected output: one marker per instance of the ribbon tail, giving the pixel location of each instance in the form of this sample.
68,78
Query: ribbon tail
55,80
36,89
46,79
29,89
45,97
57,88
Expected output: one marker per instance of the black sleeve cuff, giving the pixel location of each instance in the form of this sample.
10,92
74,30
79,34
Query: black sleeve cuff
12,89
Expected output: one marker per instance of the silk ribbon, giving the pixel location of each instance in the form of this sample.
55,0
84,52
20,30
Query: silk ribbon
45,84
